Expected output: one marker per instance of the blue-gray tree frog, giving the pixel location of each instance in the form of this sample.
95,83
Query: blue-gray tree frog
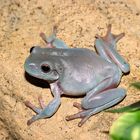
76,72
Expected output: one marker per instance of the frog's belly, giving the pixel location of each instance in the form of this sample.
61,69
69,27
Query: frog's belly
74,88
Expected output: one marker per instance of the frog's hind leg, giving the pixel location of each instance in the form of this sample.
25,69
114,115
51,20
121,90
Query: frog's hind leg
106,47
97,103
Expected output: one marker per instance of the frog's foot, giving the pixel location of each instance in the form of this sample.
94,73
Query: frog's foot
83,114
110,38
44,111
35,109
48,42
52,41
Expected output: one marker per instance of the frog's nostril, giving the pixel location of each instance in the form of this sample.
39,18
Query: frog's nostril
45,68
32,66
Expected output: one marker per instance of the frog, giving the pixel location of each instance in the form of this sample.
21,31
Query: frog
80,72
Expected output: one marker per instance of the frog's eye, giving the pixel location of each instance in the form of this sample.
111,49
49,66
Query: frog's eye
45,68
32,49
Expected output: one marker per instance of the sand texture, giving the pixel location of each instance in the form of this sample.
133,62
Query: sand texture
77,21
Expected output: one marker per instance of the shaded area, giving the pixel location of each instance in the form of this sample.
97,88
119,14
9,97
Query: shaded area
37,82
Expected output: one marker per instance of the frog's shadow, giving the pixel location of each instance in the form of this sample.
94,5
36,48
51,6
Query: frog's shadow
35,81
43,84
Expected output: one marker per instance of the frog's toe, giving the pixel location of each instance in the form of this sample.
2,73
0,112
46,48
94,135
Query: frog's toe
29,122
33,119
43,36
110,38
31,106
84,115
48,42
83,120
81,115
74,116
77,105
77,115
41,102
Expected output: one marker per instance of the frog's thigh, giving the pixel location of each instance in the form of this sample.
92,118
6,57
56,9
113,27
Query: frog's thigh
103,99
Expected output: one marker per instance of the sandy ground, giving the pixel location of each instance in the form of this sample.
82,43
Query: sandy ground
78,21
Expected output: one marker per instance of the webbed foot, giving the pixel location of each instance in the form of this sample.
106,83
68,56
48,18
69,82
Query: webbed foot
52,41
44,111
35,109
111,38
83,114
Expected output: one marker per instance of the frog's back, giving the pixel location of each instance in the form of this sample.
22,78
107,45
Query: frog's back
82,57
84,69
73,52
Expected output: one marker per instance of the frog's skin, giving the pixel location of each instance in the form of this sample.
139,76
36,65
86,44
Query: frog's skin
78,71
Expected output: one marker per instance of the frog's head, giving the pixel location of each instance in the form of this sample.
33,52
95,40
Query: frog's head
41,64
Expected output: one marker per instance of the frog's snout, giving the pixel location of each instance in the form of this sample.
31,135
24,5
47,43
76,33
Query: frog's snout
29,67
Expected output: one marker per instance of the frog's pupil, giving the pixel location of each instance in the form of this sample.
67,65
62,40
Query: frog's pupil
45,68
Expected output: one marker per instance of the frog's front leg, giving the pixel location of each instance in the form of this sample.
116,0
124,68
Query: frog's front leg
52,41
95,103
50,109
106,47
